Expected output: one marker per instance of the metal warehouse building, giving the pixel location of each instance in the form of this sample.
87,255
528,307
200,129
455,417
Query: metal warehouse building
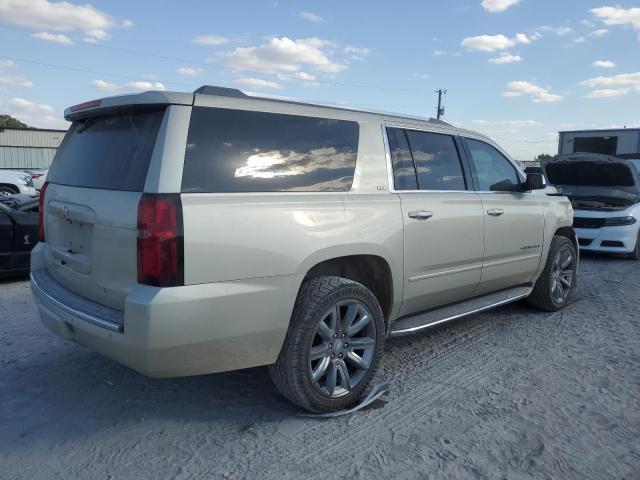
28,148
623,141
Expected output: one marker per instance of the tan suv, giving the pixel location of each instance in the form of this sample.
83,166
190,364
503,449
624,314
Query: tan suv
190,233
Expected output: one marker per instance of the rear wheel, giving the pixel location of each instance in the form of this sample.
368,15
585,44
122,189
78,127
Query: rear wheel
6,191
333,345
556,285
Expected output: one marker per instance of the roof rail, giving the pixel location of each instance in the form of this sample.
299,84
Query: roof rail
221,91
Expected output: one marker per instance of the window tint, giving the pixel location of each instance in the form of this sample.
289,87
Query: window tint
245,151
493,172
437,162
404,173
107,152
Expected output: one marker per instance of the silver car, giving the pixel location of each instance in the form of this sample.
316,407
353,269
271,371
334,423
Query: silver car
190,233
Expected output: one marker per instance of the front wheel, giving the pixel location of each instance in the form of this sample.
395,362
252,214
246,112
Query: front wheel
332,348
636,253
557,283
6,191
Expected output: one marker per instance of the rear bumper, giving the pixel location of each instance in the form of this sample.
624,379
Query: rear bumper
177,331
608,239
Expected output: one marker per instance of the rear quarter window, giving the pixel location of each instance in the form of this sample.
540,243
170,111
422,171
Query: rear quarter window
110,152
245,151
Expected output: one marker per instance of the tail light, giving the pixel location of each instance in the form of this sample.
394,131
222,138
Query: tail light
160,240
41,205
36,176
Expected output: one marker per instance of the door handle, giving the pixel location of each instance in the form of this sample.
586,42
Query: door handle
495,212
420,214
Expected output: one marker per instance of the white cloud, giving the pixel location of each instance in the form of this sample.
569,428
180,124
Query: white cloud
507,123
626,81
15,80
562,30
60,16
284,55
210,40
12,80
103,85
536,93
189,71
304,76
439,53
608,93
618,16
356,53
601,32
603,64
498,5
312,17
505,58
145,86
492,43
257,83
53,37
34,114
579,40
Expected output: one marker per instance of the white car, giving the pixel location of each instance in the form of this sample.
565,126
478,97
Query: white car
15,181
39,177
605,194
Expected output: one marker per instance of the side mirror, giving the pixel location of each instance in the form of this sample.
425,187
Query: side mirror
535,181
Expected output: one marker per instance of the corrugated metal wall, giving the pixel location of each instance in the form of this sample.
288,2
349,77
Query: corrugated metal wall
28,149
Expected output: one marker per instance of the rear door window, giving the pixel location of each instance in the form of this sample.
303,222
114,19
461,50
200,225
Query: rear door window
404,172
247,151
437,162
110,152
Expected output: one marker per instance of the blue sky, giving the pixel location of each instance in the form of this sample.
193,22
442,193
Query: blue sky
518,70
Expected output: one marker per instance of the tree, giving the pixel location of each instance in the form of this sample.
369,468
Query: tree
543,156
7,121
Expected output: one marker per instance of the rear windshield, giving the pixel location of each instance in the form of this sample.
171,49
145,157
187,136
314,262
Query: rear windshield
107,152
247,151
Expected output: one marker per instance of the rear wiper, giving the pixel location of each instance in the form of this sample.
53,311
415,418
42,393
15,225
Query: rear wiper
88,122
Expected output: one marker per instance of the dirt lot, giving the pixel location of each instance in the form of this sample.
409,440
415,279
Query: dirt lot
511,393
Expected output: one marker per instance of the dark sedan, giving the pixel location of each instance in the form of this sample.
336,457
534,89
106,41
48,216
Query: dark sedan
18,232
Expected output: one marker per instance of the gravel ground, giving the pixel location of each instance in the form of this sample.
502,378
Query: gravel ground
511,393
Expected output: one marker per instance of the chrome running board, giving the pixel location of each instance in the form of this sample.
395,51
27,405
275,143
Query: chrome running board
419,322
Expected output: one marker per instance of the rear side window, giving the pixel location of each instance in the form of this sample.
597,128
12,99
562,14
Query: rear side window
437,162
246,151
404,172
107,152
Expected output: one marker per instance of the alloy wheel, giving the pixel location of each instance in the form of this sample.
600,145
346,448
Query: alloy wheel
562,274
342,348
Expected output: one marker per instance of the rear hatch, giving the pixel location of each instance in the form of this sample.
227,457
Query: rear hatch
594,181
90,206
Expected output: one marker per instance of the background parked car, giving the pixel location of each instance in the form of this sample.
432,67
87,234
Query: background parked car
18,232
13,181
39,177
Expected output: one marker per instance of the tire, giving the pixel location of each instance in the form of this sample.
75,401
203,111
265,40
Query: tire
320,326
6,191
635,255
545,292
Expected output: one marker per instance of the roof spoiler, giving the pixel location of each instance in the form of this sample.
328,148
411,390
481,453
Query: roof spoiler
221,91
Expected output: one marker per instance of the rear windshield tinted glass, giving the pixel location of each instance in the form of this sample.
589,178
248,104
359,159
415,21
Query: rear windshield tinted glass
107,152
246,151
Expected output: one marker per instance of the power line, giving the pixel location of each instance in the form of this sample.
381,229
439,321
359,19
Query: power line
211,65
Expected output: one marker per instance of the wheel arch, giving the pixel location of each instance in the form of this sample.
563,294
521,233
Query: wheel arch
371,270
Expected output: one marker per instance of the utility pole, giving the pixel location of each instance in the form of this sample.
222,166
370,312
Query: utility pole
440,111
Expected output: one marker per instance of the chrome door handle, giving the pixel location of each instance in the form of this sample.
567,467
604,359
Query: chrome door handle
495,212
420,214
